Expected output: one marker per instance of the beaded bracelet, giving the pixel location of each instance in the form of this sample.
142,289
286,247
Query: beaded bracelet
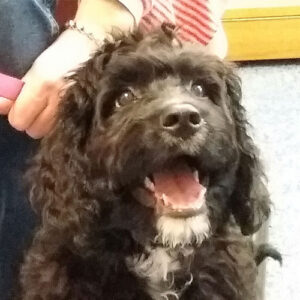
71,24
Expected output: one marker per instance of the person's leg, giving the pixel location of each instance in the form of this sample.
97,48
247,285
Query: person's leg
26,29
17,220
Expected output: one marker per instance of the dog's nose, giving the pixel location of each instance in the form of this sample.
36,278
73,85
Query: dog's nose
181,119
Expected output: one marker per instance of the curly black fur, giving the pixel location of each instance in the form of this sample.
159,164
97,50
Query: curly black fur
83,176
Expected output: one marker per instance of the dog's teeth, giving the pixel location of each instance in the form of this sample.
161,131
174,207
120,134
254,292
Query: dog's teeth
149,184
205,181
196,175
202,193
164,199
199,205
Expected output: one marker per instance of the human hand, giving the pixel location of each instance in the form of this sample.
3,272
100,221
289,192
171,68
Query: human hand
5,106
10,88
35,108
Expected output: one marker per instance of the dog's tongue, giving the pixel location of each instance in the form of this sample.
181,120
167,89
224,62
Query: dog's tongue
178,187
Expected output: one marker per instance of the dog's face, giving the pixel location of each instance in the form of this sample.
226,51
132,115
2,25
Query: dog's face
165,134
159,126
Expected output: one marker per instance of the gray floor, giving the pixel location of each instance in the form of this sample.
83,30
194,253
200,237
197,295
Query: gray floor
272,98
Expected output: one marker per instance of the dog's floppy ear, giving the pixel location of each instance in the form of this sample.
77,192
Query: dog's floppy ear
62,158
250,198
59,159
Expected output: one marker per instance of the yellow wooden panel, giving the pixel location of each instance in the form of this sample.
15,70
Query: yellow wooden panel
286,11
265,33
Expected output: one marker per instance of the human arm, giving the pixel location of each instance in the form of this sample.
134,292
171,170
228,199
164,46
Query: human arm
35,108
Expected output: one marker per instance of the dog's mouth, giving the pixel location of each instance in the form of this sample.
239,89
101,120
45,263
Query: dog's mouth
177,189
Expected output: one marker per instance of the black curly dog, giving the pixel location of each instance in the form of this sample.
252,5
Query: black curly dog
149,186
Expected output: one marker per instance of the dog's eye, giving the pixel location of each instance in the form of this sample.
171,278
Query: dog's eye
125,98
197,89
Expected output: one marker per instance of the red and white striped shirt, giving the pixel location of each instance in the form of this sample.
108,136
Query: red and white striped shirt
193,18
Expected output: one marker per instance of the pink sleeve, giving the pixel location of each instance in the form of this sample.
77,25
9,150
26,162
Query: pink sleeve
138,8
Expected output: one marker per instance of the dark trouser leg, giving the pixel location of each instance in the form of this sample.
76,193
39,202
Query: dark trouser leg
17,219
26,29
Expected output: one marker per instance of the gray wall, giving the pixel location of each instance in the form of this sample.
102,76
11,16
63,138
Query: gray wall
272,98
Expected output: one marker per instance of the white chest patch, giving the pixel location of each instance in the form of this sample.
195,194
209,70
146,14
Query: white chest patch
158,265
